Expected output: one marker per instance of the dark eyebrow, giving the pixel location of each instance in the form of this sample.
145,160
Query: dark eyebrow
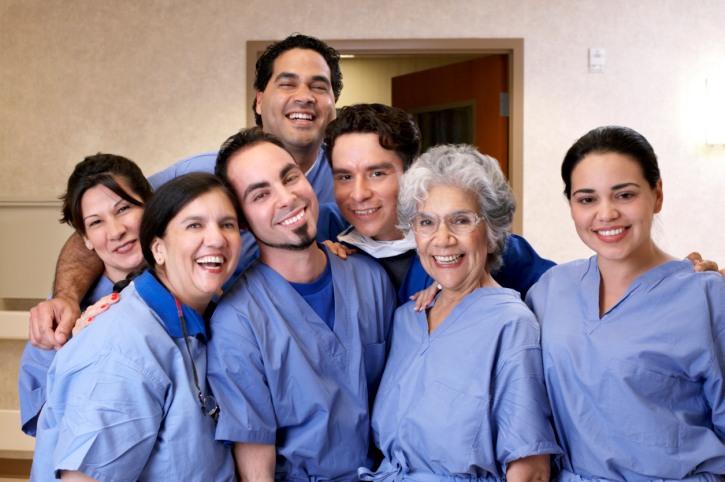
287,169
583,191
340,171
321,78
382,165
286,75
252,187
621,186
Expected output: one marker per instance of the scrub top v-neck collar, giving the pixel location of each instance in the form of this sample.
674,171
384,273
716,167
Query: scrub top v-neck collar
591,281
335,342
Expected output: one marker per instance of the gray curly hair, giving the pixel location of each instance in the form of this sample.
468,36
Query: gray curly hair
464,167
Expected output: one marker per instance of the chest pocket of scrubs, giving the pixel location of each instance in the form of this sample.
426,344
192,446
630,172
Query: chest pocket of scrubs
446,425
640,404
374,364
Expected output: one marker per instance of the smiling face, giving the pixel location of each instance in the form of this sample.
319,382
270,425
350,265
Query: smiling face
457,262
112,225
366,178
612,205
200,249
298,102
278,202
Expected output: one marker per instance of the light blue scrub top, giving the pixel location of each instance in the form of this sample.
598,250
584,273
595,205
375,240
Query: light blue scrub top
319,176
522,266
35,363
282,377
466,399
122,404
638,394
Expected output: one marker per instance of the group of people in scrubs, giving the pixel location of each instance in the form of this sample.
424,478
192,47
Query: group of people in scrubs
382,336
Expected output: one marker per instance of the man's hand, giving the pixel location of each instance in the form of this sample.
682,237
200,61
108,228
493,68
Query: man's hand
703,265
51,322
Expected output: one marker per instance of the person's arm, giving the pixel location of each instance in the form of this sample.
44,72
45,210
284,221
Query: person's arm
255,462
52,320
74,476
534,468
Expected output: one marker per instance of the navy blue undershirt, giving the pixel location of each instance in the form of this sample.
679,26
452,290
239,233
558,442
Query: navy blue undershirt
320,295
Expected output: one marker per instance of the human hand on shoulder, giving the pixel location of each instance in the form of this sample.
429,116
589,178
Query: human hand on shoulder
94,310
51,322
338,249
703,265
425,297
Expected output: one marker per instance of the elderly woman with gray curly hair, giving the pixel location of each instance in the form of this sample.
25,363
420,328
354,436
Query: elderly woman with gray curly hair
463,392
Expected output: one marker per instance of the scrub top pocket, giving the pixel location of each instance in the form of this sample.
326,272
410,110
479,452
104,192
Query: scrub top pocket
451,421
631,386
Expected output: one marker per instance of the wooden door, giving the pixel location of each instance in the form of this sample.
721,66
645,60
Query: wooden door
451,89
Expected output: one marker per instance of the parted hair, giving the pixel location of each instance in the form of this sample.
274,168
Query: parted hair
617,139
265,64
396,129
105,170
462,166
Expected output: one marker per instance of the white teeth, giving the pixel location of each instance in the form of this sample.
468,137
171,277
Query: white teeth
294,219
448,259
613,232
367,211
298,115
124,247
210,259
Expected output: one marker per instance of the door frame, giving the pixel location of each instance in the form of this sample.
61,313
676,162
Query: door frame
513,47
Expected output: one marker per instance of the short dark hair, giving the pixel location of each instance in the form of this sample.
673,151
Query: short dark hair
171,198
395,128
617,139
265,64
105,170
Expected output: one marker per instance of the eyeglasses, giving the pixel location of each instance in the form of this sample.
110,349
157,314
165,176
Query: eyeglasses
208,402
459,222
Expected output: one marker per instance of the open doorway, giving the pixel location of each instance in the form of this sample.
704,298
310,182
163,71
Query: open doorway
431,54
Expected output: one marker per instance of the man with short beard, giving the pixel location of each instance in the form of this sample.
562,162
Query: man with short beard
298,342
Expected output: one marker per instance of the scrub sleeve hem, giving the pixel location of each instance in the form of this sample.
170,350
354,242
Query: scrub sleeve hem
540,448
91,472
246,436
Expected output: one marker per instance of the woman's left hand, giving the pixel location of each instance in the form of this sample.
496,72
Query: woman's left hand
95,310
703,264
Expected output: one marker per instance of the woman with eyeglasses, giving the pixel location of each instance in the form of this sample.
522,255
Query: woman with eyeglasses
463,391
130,400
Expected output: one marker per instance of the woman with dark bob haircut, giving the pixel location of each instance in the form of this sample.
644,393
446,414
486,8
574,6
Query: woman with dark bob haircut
632,338
104,202
128,398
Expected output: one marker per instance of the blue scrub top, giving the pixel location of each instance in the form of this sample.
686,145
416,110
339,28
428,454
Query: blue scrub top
122,403
282,377
35,363
637,394
466,399
522,266
319,176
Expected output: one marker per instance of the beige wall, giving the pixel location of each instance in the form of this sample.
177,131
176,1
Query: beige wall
369,79
158,81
